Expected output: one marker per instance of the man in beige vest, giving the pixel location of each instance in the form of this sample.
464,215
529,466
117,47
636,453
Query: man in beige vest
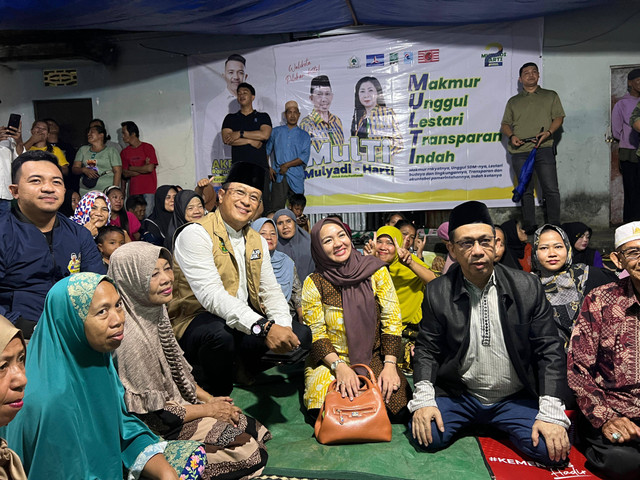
228,308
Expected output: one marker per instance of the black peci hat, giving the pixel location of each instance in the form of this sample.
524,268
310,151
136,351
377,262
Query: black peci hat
467,213
250,174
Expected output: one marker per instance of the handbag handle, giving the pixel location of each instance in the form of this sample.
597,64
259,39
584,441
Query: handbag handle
367,368
371,383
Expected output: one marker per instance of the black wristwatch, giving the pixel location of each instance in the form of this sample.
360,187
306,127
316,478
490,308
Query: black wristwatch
261,327
241,133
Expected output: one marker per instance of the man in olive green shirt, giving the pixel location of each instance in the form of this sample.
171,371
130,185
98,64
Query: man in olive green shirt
530,120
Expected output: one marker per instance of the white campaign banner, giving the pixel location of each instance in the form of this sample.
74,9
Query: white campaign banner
401,119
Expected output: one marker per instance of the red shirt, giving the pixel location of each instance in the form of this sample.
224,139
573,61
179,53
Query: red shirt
137,157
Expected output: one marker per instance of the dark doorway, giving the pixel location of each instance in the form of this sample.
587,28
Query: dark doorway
73,115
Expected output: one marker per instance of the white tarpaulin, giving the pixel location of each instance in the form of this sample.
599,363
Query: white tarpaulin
411,119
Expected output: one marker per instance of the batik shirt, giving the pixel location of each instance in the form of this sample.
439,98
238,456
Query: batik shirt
321,131
604,354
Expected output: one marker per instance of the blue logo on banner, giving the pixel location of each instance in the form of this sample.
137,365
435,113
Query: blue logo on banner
408,58
376,60
496,58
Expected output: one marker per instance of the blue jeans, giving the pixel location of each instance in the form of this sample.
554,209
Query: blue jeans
514,416
545,169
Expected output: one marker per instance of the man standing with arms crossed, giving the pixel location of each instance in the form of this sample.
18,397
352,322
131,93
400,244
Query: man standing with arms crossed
212,147
247,131
530,120
139,162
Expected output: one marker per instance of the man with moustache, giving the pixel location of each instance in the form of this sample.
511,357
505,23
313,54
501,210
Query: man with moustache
228,308
603,367
38,246
290,146
490,353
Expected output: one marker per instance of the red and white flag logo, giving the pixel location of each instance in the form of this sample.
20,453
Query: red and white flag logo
426,56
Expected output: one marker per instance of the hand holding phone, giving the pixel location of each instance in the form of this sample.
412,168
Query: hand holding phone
14,124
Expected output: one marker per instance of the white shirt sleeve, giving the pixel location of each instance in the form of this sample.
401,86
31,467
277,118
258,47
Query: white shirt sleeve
551,410
424,395
193,253
271,296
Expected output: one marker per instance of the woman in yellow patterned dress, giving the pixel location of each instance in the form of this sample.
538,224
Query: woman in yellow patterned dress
351,306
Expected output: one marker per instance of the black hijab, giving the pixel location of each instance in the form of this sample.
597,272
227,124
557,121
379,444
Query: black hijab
507,258
179,211
574,231
161,216
513,243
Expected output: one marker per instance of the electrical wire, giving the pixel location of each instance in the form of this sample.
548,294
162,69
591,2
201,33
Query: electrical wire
595,36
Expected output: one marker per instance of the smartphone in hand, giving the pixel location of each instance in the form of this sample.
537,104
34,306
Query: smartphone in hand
14,123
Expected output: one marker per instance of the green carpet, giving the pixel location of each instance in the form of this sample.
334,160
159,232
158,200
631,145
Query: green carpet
276,400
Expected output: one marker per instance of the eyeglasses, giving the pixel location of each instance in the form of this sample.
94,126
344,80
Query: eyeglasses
631,253
485,242
242,194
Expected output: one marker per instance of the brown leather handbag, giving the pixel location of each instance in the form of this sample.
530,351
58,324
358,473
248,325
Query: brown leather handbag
362,420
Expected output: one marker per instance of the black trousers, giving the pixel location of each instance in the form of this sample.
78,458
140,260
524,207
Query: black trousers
217,351
619,461
545,169
631,183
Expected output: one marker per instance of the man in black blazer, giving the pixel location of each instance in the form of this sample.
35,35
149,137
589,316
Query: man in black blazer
488,352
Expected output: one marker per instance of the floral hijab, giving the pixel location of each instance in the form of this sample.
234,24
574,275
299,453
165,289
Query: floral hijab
83,211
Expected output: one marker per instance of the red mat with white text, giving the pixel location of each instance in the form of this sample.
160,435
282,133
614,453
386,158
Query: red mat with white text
505,463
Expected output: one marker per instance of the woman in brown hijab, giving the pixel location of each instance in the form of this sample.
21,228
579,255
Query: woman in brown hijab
351,306
12,383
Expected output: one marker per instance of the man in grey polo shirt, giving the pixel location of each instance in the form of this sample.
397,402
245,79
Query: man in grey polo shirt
530,120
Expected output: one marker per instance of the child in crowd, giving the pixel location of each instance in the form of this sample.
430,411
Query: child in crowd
137,205
297,202
121,217
108,240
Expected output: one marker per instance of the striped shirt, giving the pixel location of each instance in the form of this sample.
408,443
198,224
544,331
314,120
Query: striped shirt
486,369
321,131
